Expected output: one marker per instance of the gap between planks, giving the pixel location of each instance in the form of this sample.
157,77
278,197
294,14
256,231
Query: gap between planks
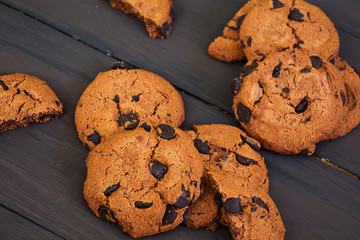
323,160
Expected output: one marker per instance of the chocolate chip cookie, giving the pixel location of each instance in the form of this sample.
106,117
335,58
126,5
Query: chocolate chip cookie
289,101
229,149
26,99
273,26
158,15
126,99
143,181
228,47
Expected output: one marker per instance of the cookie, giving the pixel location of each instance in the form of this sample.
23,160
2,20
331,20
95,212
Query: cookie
227,47
224,148
276,25
350,98
249,213
158,15
26,99
289,101
126,99
143,181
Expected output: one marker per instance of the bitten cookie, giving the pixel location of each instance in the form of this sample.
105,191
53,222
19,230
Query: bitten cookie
249,213
276,25
144,181
158,15
351,99
227,47
126,99
24,100
289,101
229,149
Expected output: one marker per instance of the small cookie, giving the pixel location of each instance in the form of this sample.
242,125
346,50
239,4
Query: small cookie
351,99
24,100
249,213
289,101
227,47
229,149
276,25
158,15
126,99
143,181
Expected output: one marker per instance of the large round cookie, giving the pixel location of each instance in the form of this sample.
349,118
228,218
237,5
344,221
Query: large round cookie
351,99
26,99
273,26
289,101
229,149
125,99
144,181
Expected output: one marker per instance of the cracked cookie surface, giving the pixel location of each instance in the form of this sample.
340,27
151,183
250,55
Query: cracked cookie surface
289,101
288,24
229,149
26,99
126,99
158,15
143,180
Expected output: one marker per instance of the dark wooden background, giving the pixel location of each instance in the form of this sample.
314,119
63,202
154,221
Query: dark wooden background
67,42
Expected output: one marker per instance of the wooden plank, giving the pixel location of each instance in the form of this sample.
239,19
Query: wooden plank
42,166
14,226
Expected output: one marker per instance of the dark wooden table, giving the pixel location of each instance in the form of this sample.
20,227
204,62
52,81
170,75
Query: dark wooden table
67,42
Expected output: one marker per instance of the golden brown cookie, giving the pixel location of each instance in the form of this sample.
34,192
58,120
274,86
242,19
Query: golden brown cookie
227,47
273,26
143,181
289,101
126,99
158,15
24,100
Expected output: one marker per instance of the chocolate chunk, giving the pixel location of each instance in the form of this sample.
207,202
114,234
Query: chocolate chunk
316,61
263,56
276,71
158,169
301,107
165,30
129,121
245,161
183,200
232,205
57,103
146,127
166,131
253,209
286,90
240,20
277,4
111,189
170,215
121,65
186,214
242,45
296,15
218,199
249,41
332,61
201,146
247,69
305,152
305,70
116,98
140,204
106,215
343,97
194,182
259,202
235,85
3,85
251,143
243,113
95,138
135,98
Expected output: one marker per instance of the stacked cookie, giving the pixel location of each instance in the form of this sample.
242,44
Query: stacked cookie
146,174
294,91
